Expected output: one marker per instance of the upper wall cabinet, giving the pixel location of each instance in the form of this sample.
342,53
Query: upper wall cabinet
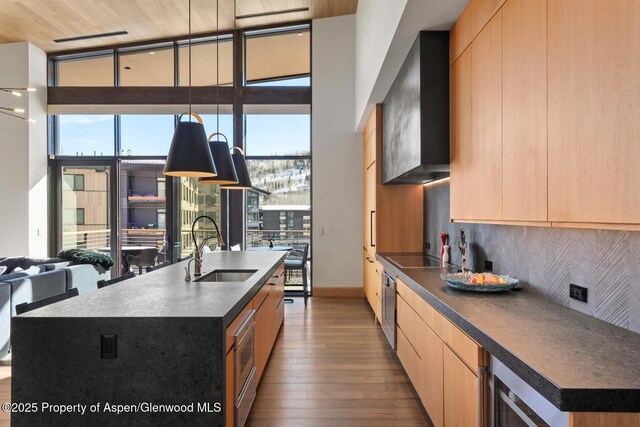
476,151
524,110
594,111
461,168
472,20
544,111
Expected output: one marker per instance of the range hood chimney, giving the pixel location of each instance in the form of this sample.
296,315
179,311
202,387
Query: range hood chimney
415,114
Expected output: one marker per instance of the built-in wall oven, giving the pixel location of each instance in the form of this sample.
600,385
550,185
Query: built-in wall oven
389,308
245,370
516,404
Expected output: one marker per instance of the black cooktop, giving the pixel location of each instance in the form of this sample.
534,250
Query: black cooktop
414,261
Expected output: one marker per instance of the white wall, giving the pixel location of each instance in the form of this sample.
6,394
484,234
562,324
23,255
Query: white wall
376,25
385,31
337,156
23,153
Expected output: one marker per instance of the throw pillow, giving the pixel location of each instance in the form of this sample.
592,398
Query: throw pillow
36,269
82,256
12,262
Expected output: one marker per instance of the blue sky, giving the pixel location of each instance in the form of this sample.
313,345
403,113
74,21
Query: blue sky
149,135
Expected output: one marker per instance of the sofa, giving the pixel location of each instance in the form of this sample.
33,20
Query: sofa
40,278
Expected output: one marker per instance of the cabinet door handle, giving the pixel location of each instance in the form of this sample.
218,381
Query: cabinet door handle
371,227
369,260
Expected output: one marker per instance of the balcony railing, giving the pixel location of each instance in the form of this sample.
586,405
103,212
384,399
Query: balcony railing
86,239
100,239
294,238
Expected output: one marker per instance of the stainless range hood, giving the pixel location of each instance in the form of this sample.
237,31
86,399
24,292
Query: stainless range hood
415,114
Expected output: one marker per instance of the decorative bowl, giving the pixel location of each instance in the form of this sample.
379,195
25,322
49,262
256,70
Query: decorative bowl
463,281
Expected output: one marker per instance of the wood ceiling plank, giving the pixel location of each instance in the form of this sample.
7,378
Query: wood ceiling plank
42,21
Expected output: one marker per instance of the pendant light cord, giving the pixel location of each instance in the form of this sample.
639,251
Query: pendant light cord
190,116
217,66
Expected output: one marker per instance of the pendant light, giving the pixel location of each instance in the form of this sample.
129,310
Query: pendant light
224,163
190,155
220,149
244,180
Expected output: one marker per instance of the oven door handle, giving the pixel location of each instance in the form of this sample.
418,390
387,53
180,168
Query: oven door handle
244,330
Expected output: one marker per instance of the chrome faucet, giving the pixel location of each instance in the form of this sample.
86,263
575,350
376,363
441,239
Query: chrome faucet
198,249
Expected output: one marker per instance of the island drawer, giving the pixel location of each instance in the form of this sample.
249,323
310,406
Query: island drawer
237,322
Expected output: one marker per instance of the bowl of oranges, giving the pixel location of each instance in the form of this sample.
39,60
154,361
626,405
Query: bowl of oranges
480,282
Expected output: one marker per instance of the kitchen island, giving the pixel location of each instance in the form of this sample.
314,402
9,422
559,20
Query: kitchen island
153,350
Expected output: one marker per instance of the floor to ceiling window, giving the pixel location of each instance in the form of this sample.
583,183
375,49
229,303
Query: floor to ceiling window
126,133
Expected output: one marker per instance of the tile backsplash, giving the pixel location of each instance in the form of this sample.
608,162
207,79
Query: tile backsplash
546,260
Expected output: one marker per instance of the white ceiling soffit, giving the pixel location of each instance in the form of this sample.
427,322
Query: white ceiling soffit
418,15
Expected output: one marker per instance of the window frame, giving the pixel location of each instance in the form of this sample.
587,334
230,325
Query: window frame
232,205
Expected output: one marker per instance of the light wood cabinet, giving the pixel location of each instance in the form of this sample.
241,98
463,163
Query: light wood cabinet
431,392
269,317
392,215
370,211
594,156
476,153
443,364
524,96
552,96
264,321
461,182
461,396
408,357
471,21
230,392
268,304
372,283
485,152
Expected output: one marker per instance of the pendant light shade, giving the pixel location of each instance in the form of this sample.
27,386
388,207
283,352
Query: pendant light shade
190,155
244,181
224,164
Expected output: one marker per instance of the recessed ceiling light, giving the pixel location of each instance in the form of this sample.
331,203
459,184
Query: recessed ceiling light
152,53
299,34
90,36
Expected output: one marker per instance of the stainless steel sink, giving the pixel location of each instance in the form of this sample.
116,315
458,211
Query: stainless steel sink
227,276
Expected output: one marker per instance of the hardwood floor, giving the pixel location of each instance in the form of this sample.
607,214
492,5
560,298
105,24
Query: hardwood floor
331,366
5,394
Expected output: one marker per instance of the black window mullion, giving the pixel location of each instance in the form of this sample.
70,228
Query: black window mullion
116,132
176,67
116,68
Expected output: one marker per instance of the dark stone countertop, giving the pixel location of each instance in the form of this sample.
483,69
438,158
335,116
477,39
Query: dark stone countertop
164,293
577,362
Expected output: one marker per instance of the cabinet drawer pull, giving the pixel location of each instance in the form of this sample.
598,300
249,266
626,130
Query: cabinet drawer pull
371,225
276,279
